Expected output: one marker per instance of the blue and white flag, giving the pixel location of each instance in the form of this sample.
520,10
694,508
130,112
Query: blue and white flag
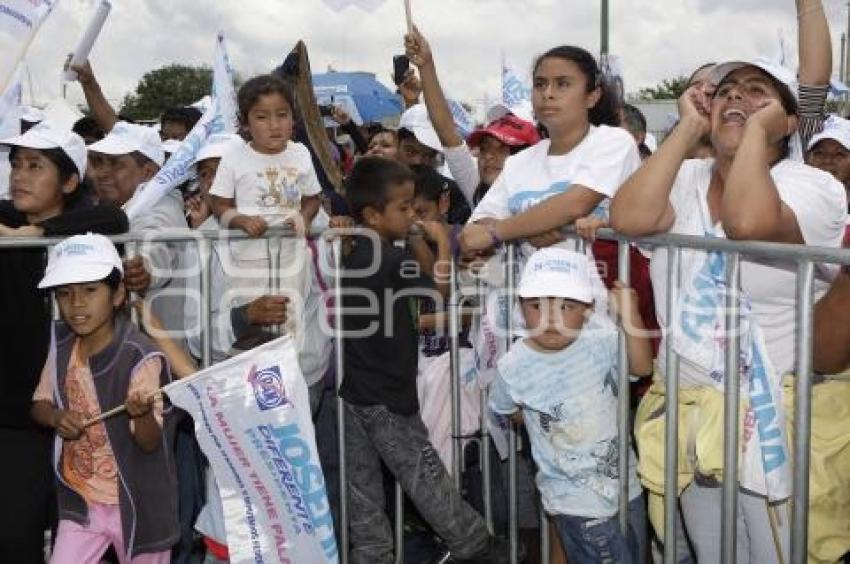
252,420
223,89
220,117
19,23
463,121
515,90
368,5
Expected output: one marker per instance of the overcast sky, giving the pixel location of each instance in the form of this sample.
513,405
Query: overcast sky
655,39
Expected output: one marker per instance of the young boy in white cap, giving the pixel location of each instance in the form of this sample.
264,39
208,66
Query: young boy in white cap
563,379
116,477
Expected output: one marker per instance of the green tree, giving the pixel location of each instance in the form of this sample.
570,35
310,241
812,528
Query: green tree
669,89
162,88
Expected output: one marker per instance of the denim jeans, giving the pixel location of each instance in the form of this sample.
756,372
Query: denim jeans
373,433
591,541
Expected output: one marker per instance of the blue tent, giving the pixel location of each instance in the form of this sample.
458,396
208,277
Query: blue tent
374,101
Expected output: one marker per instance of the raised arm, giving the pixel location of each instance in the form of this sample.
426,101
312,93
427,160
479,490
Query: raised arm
419,53
642,204
99,107
814,41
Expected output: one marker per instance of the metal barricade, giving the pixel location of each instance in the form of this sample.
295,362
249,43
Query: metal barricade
804,257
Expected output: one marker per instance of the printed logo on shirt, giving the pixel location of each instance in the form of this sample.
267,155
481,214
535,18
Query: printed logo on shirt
280,188
267,384
521,201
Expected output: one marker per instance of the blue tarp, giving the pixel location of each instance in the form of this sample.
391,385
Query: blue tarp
374,101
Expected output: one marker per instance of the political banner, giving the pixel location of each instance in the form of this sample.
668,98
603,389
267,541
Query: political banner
19,23
220,117
252,420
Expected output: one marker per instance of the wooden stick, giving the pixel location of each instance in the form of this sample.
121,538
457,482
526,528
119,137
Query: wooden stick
408,16
114,411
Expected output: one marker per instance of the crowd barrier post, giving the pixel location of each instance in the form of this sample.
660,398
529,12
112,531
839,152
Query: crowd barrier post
513,514
204,252
623,389
485,452
454,364
274,246
130,251
340,404
731,411
671,411
802,412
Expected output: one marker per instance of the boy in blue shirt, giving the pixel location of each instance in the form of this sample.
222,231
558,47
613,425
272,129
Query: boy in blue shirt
563,378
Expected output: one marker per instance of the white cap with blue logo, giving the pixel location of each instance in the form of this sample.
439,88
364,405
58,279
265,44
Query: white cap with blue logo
555,272
80,259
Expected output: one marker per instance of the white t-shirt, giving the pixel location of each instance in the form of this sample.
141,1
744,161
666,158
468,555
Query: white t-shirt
270,186
267,185
603,160
820,205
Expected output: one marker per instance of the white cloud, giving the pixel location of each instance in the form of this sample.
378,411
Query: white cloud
655,39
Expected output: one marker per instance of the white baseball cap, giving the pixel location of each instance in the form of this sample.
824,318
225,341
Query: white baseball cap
217,145
170,146
774,69
45,135
835,128
79,259
415,120
554,272
126,138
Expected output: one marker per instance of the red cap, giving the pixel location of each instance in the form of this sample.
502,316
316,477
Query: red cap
509,129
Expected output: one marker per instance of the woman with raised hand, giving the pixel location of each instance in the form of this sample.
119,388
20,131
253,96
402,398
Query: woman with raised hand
566,176
750,190
501,138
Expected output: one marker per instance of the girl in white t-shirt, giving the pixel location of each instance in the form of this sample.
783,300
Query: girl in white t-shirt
582,162
269,181
751,190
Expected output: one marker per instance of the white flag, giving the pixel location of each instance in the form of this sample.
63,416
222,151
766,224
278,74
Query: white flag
223,88
19,22
515,90
10,106
252,420
220,117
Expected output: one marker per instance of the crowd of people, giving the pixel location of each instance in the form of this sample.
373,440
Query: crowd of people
754,156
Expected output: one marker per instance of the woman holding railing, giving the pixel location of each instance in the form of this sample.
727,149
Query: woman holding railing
750,190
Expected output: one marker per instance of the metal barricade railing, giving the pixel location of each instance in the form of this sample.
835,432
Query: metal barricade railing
804,257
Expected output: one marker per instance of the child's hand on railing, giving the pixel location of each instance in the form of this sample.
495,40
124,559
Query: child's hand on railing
588,226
